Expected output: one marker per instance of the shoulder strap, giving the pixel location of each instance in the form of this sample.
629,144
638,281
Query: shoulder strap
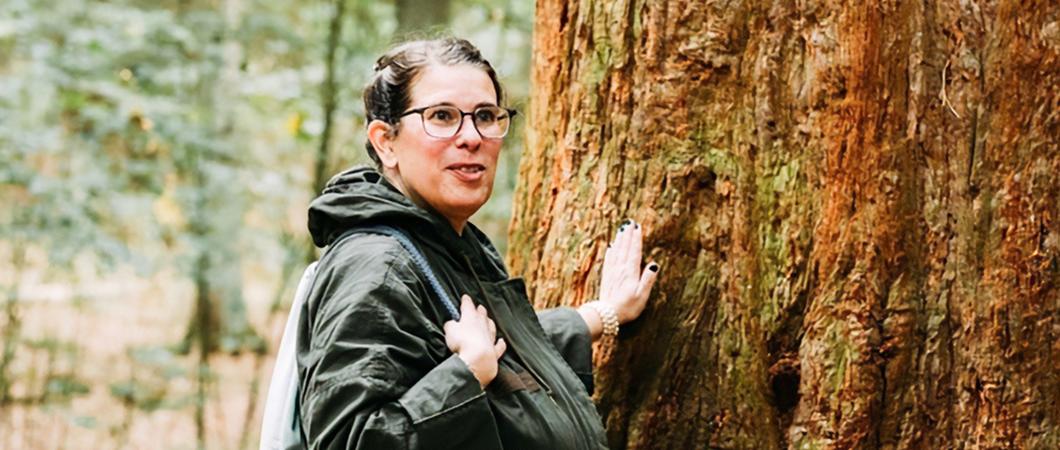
417,258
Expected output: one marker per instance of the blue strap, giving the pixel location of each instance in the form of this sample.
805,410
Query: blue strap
417,258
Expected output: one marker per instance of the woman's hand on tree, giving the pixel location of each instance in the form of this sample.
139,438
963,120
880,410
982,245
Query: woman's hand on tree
474,339
623,284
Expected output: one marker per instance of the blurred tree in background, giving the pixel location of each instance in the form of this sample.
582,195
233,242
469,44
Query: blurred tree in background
187,137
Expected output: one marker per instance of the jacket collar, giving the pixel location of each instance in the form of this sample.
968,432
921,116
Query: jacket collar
361,196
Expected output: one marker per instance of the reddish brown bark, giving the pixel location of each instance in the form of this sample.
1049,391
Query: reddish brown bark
855,208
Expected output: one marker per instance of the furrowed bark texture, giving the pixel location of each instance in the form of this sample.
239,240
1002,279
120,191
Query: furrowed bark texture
855,207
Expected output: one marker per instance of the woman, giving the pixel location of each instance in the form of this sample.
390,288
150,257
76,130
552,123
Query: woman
381,364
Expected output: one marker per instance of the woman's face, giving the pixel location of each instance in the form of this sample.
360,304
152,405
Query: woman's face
453,175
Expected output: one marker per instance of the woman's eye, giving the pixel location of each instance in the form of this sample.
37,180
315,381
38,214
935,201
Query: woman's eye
485,115
441,116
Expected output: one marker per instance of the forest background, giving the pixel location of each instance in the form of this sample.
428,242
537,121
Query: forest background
156,162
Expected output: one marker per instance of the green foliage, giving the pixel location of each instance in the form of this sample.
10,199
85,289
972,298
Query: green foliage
148,386
65,386
109,110
59,382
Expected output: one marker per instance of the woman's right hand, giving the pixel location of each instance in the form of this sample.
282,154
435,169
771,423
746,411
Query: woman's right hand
474,339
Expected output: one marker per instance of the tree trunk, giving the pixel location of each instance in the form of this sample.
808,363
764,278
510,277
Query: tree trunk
217,208
329,102
855,208
11,332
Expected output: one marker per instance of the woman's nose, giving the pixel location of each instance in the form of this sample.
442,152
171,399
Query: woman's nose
468,136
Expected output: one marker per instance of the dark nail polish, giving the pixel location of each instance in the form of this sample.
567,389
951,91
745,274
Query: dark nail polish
653,267
627,222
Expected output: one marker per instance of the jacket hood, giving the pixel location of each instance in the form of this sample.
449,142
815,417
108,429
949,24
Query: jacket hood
361,196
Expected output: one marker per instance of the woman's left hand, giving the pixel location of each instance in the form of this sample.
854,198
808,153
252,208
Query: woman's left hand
623,284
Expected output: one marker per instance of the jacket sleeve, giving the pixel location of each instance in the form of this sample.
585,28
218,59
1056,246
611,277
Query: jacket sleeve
570,335
369,380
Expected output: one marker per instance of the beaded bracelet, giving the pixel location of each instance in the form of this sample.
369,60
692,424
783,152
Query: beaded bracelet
607,316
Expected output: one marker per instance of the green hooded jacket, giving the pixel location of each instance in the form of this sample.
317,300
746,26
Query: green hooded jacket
374,368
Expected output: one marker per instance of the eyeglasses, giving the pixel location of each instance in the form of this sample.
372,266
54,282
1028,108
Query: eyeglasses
445,121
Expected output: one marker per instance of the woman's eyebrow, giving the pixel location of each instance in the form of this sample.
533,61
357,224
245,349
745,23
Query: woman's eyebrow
478,105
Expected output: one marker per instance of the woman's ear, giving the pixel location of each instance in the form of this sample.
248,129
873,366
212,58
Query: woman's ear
379,134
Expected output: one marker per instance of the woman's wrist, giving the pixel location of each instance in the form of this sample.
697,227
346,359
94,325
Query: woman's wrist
608,316
592,320
601,318
479,369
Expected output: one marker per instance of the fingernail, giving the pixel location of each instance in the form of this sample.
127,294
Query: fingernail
653,267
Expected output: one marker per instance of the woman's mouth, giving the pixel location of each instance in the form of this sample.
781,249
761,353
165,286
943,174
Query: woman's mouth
470,168
468,172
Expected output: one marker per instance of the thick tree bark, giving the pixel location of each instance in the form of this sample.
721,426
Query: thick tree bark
855,208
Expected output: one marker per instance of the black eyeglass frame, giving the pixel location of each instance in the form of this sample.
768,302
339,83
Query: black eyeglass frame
511,116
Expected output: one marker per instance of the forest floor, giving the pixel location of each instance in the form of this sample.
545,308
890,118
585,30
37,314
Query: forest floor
96,369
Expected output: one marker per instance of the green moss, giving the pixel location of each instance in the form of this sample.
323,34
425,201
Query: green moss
600,59
575,239
700,283
723,163
586,188
786,177
638,26
809,443
600,64
775,187
842,353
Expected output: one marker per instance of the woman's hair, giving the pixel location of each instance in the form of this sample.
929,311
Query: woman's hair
387,94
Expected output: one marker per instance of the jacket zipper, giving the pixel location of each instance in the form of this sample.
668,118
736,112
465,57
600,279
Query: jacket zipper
529,367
